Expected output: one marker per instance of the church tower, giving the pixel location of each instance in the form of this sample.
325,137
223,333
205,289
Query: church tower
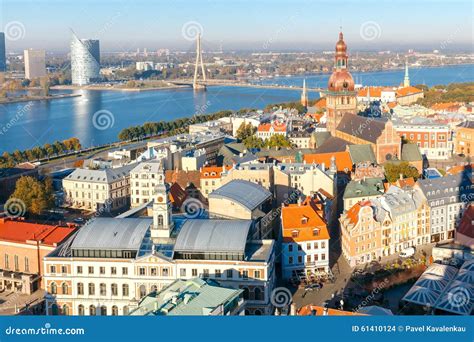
340,96
304,95
162,209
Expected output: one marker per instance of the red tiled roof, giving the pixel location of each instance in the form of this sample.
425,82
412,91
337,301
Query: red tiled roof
353,213
405,91
177,195
209,172
20,231
277,127
374,92
183,178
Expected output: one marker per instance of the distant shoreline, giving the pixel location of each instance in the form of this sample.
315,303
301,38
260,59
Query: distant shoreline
38,98
72,87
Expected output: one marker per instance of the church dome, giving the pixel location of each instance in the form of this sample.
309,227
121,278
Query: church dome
341,80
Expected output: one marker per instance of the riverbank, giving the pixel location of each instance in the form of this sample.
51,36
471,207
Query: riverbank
37,98
112,88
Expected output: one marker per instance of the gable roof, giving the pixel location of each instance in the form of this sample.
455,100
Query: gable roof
411,152
343,160
362,153
406,91
368,129
248,194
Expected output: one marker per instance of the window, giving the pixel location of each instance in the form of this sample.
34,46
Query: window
205,273
182,272
114,289
79,270
300,259
65,288
153,271
316,245
290,260
229,274
102,270
65,310
103,310
124,271
114,310
141,271
17,264
142,291
256,274
218,273
245,274
91,289
316,232
52,268
258,294
92,310
290,247
103,289
54,288
27,264
63,269
294,233
125,290
125,310
80,310
323,256
323,244
194,272
80,288
91,270
308,246
113,270
165,272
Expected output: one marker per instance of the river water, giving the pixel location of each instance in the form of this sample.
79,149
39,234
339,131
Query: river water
28,124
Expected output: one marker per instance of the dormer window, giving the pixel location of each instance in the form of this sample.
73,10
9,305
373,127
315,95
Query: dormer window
295,233
304,220
315,232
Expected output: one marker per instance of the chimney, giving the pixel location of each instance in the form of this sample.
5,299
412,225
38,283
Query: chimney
292,309
401,176
325,310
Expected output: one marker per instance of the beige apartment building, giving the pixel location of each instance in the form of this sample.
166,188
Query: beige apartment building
143,179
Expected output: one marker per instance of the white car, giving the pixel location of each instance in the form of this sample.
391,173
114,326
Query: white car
407,252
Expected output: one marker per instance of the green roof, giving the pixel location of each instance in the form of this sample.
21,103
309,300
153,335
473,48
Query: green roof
411,152
362,153
364,188
193,297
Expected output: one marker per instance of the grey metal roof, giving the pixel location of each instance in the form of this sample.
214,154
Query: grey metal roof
362,153
368,129
249,194
213,236
447,186
112,233
101,176
411,152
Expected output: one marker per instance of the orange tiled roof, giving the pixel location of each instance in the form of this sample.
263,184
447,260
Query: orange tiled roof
374,92
314,310
183,178
392,105
20,231
404,183
304,218
208,172
444,105
405,91
321,103
353,213
460,168
277,127
343,159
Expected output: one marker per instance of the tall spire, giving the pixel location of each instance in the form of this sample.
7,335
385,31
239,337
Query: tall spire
304,95
406,80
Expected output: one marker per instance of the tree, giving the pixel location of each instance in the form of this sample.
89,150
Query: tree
36,196
245,130
393,171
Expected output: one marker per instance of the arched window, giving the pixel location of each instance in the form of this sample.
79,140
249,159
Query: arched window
54,309
257,312
114,310
65,310
258,294
125,290
125,310
91,289
54,288
92,310
103,289
80,288
65,288
103,310
80,310
142,291
114,289
160,220
246,293
154,288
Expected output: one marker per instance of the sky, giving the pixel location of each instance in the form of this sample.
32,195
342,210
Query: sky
263,25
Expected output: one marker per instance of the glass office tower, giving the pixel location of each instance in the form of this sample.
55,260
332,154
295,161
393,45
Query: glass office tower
3,59
85,61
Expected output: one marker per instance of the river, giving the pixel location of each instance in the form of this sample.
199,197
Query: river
27,124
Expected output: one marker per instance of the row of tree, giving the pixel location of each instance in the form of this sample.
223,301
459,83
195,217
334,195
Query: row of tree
40,152
454,92
35,196
167,127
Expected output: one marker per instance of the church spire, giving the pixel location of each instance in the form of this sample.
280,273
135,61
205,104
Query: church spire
304,95
406,79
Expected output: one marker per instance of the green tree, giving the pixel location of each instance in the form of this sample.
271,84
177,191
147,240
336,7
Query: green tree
394,170
37,196
245,130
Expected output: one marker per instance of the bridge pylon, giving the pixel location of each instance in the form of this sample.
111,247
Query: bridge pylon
196,84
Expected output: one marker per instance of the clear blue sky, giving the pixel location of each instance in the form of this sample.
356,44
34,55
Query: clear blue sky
245,24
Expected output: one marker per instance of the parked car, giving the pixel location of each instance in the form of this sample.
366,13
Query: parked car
312,287
78,220
407,252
